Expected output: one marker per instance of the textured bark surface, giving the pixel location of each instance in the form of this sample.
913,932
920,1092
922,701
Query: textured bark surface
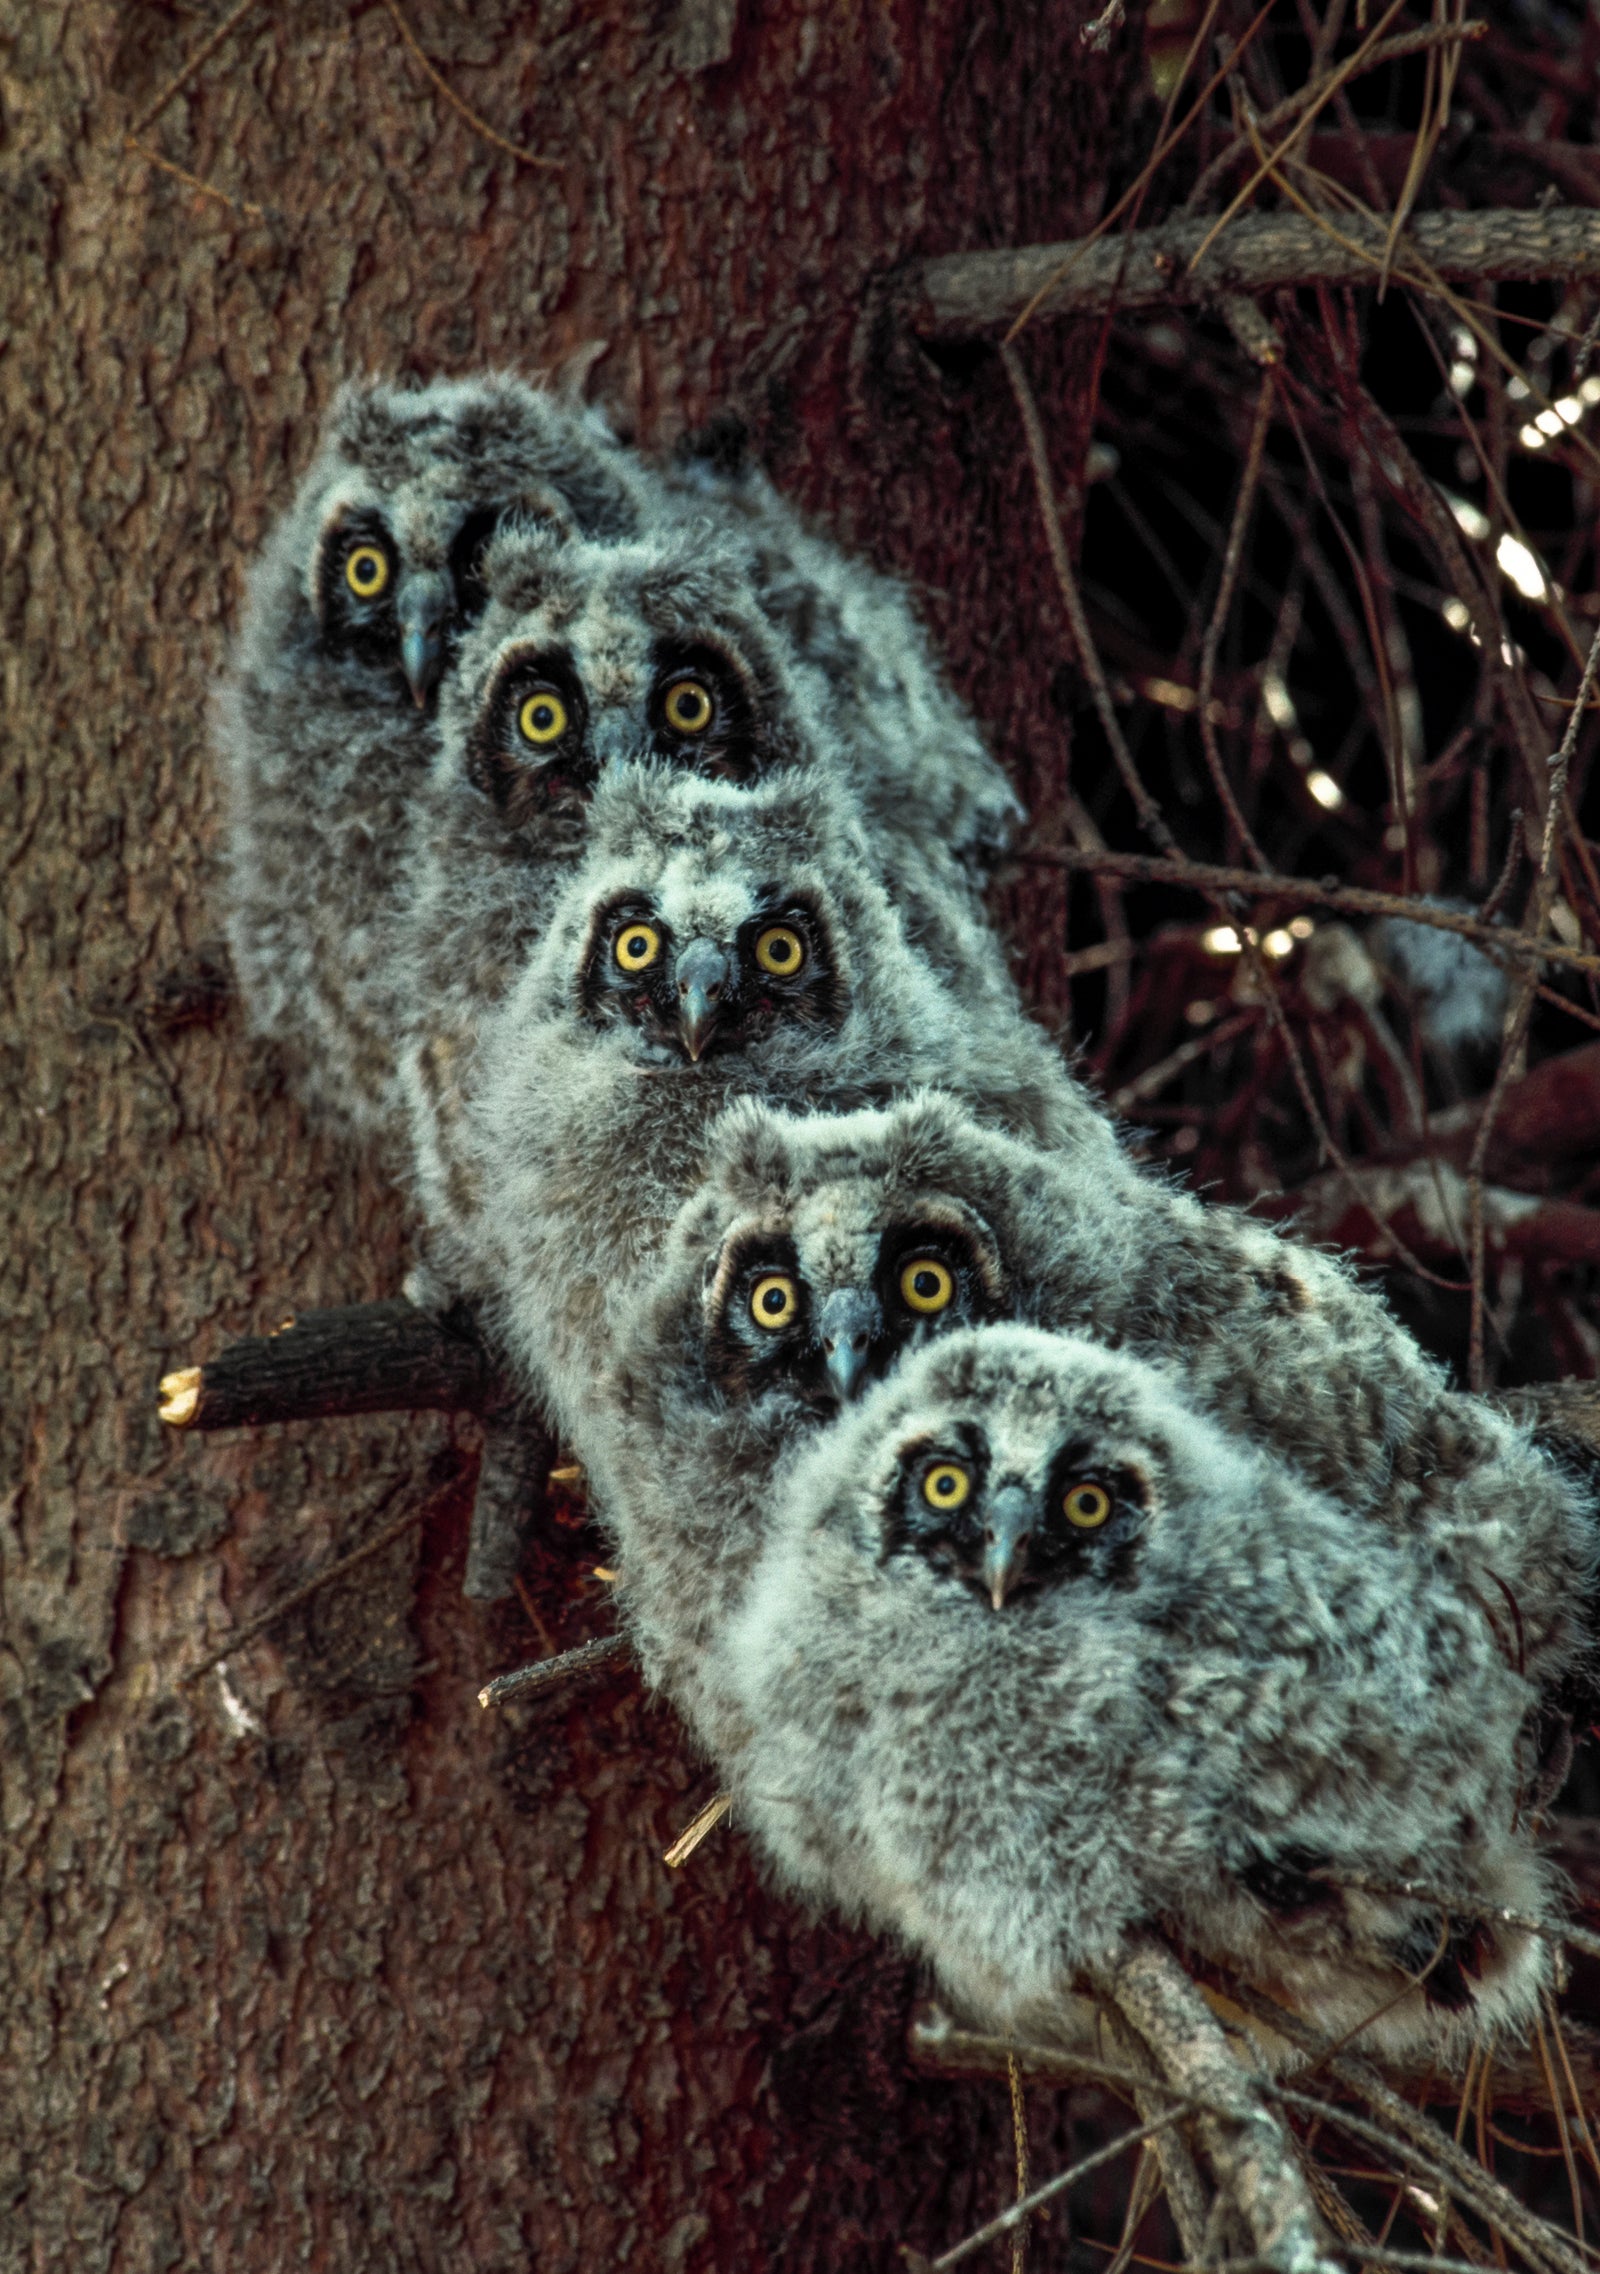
311,1962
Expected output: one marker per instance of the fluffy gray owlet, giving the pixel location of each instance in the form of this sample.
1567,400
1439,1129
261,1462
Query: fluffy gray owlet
593,655
718,941
1202,1702
323,725
881,1229
863,661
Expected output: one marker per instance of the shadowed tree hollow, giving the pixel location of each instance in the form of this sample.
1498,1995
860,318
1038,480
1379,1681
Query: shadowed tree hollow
308,1960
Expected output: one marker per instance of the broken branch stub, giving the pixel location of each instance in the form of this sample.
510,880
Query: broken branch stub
362,1358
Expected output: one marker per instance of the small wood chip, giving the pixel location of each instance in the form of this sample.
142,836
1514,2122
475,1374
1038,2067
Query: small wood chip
709,1818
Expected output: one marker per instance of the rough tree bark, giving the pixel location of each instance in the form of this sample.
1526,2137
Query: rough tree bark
310,1961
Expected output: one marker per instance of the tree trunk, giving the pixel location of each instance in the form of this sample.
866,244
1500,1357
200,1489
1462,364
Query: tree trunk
311,1961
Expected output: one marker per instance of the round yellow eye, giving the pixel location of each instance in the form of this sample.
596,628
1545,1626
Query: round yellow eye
927,1285
366,571
1086,1505
780,951
774,1300
638,946
688,707
542,719
946,1485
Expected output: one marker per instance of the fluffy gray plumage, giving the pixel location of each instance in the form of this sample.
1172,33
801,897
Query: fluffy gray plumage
1199,1708
553,1175
324,725
1460,995
925,775
1275,1339
676,648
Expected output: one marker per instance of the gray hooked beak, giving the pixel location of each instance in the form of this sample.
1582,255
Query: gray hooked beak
848,1323
614,737
422,610
1005,1554
704,974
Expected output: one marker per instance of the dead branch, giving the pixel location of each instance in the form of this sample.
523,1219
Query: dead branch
361,1358
550,1673
961,294
1247,2145
513,1471
1429,1203
937,2046
1305,892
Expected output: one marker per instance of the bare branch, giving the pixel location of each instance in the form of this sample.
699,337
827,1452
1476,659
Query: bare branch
1303,891
961,294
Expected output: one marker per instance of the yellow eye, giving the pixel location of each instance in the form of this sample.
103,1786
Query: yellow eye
774,1300
780,951
1086,1505
946,1485
927,1285
366,571
542,719
638,946
688,707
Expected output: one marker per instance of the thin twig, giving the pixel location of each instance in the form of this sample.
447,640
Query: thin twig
303,1594
152,157
1020,2212
1515,847
1406,2131
1584,2131
202,55
1166,142
1468,1907
964,295
1517,1024
1088,661
1349,899
478,125
1208,651
689,1838
1155,1078
1335,80
1413,2137
1019,2137
1387,51
1558,2105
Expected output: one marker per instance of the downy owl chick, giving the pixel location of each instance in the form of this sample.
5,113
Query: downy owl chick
590,656
793,1277
863,657
324,725
717,942
1035,1655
